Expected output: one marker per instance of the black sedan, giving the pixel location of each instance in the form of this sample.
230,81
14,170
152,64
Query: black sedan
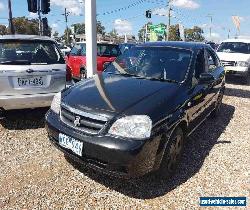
134,117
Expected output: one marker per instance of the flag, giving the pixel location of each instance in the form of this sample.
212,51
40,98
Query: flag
236,21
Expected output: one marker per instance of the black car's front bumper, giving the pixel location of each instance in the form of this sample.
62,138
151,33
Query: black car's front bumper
114,156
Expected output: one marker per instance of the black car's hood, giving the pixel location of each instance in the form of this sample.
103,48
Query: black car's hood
115,93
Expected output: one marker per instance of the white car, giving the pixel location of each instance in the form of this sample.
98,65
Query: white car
235,57
65,49
32,71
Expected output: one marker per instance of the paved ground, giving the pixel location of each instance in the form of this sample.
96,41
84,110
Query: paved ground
216,162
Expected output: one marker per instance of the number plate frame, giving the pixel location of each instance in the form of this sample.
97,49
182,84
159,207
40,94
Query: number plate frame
70,143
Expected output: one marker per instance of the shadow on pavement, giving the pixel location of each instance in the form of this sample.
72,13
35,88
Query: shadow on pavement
237,93
236,80
24,119
198,146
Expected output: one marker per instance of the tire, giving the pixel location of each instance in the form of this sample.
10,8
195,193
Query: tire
172,155
246,79
216,112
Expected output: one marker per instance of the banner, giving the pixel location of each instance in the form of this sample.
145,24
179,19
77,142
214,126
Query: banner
236,21
156,31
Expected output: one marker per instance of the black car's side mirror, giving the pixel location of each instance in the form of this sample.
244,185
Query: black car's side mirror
206,78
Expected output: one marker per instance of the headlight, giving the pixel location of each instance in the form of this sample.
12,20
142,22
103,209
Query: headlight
242,63
135,126
56,103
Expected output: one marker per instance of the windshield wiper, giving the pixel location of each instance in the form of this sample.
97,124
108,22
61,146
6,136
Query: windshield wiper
162,79
16,62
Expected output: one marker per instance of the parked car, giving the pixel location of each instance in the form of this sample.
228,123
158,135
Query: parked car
235,57
32,70
64,49
134,117
76,61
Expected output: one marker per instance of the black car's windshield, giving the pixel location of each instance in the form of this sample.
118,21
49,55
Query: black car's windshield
105,50
234,47
26,52
161,63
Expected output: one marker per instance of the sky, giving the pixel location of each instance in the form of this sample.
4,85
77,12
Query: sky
128,16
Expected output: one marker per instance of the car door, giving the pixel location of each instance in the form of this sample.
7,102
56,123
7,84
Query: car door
74,60
214,68
197,93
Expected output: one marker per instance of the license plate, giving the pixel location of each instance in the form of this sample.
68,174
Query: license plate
71,144
30,81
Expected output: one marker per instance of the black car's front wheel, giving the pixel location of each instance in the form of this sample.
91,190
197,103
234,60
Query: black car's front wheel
218,105
172,154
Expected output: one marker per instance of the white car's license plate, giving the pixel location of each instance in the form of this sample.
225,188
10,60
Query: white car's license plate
30,81
71,143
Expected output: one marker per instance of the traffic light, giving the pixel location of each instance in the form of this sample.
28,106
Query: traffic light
45,27
148,14
32,6
178,35
45,6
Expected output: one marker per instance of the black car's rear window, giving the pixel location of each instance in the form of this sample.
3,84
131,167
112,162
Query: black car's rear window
29,52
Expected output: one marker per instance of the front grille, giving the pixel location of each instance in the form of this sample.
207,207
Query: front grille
228,63
84,121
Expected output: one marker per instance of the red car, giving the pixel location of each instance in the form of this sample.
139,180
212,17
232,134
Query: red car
76,60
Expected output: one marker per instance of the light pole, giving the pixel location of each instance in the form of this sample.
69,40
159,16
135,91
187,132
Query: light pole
39,17
210,28
169,18
11,26
66,14
91,39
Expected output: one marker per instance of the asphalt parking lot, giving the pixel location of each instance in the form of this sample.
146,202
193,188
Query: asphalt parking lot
216,162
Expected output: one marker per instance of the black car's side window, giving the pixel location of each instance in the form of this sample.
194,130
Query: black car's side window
212,60
200,64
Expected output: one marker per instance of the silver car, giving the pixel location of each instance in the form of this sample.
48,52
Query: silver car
32,71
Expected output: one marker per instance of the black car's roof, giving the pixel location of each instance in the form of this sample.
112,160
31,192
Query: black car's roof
179,44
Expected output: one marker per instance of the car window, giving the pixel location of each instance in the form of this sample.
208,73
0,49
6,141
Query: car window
76,50
200,64
212,60
29,51
108,50
234,47
166,63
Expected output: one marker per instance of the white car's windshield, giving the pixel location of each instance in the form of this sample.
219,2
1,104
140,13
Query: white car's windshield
26,52
234,47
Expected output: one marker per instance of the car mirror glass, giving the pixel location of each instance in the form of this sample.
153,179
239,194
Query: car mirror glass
206,78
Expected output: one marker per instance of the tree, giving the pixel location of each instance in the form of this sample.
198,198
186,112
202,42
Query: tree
25,26
113,33
194,34
79,28
3,30
64,37
174,34
142,32
100,28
